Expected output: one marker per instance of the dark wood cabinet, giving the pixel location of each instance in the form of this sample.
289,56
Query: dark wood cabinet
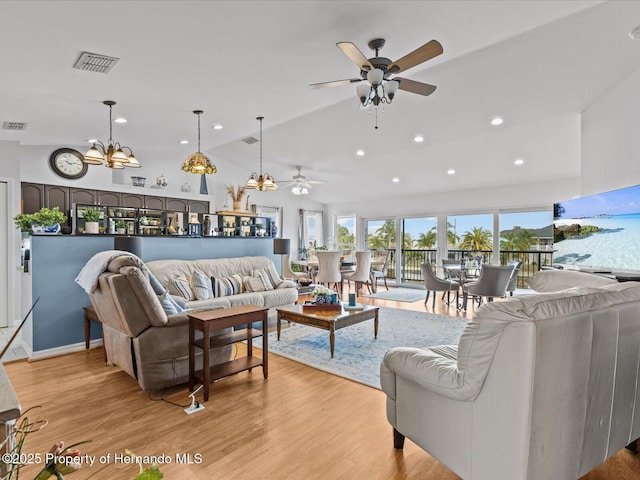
32,197
177,204
57,196
198,206
132,200
82,195
157,203
37,195
108,198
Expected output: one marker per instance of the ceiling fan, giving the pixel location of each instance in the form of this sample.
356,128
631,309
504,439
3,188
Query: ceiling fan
378,70
299,183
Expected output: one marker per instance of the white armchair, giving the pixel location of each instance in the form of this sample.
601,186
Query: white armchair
543,387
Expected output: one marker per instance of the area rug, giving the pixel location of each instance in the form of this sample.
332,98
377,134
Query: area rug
400,294
357,354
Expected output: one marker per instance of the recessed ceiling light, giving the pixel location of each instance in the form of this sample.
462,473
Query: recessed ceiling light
92,140
451,171
184,142
497,121
360,153
418,139
395,180
120,120
217,126
518,161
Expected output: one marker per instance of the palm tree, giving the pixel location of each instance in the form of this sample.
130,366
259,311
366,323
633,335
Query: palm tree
385,236
518,239
427,240
477,240
452,238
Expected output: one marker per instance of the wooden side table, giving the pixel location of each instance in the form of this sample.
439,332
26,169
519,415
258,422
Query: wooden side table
210,323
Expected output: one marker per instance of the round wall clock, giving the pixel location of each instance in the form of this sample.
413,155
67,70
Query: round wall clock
68,163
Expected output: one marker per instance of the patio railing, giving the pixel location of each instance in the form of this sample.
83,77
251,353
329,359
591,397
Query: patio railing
411,259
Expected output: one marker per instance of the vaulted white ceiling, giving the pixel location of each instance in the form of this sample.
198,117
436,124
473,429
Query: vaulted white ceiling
538,64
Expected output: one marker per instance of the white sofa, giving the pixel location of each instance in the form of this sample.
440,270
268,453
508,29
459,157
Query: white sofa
541,387
166,271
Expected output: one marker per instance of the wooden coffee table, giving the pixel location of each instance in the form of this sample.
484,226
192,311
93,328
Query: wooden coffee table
330,321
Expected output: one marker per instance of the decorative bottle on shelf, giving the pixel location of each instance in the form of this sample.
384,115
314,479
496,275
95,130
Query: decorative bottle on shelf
207,226
171,230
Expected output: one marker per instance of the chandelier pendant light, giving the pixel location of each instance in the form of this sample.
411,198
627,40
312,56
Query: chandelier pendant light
261,182
111,155
198,162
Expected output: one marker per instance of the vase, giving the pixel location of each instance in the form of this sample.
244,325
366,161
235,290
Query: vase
45,229
237,206
92,227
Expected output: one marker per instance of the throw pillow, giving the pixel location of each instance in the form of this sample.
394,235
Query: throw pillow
273,275
253,284
169,305
264,277
183,288
287,284
201,286
226,286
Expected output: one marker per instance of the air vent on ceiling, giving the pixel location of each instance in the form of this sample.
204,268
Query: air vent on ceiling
249,140
14,126
94,62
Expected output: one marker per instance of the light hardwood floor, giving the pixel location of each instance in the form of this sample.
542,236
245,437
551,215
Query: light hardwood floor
301,423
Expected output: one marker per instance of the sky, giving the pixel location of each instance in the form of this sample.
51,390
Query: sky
616,202
464,223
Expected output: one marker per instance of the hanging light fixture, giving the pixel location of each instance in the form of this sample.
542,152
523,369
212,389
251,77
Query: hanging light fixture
112,154
261,182
198,162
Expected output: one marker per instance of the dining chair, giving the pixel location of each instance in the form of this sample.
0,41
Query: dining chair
362,272
287,272
329,269
513,282
492,283
435,284
379,267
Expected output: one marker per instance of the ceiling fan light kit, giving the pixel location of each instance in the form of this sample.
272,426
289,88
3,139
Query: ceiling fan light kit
261,182
299,184
198,162
377,71
112,154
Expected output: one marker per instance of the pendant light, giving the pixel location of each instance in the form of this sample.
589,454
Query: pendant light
261,182
198,162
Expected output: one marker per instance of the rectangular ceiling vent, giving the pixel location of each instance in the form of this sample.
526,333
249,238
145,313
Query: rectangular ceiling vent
249,140
14,126
93,62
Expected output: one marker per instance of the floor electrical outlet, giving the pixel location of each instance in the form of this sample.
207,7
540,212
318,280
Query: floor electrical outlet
194,409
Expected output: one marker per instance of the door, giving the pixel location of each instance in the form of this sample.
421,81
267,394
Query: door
4,255
197,206
156,203
132,200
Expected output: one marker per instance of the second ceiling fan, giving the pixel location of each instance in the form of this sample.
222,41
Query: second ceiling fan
377,71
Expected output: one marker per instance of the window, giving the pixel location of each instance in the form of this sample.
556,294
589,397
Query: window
345,233
419,241
311,229
470,234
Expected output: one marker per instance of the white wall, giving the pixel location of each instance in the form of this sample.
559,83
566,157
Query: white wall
611,139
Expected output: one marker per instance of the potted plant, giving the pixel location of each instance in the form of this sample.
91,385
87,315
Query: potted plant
44,220
91,220
121,227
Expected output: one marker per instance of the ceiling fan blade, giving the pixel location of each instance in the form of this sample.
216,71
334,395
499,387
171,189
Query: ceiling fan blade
415,87
335,83
419,55
356,56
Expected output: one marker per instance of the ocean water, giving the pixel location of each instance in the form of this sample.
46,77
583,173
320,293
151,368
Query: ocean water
617,247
